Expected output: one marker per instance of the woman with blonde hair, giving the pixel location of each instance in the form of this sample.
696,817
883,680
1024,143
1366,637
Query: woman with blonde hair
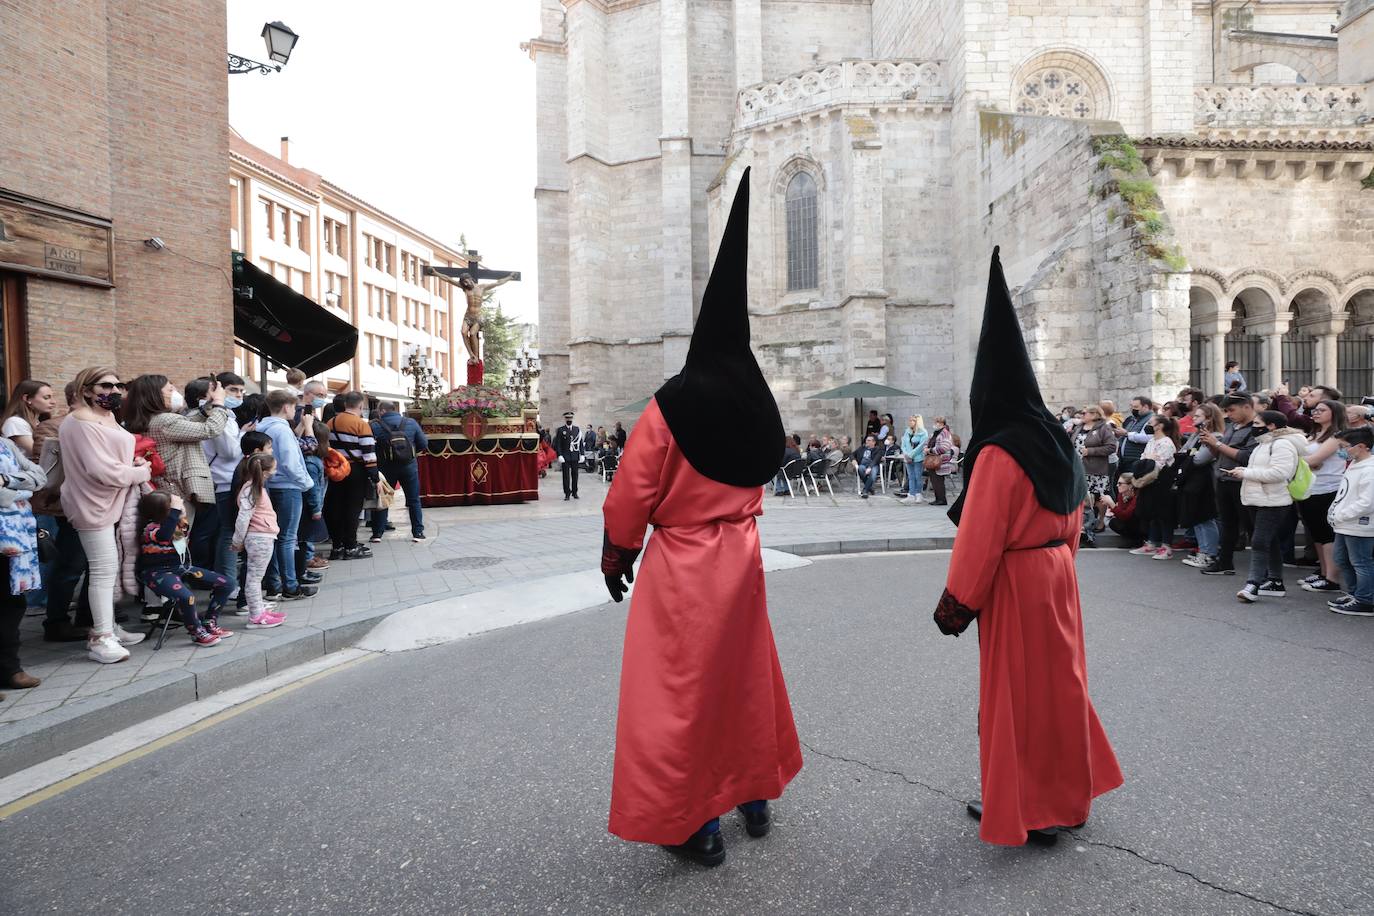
1095,443
99,470
914,439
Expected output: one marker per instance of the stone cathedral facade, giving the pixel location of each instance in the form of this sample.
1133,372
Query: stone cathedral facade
1172,184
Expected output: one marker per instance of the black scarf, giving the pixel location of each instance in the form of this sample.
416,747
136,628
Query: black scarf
1009,412
721,382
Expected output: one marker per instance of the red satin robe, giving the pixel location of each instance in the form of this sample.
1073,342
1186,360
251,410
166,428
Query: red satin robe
1044,756
705,723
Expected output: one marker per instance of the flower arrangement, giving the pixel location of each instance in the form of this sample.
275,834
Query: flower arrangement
484,399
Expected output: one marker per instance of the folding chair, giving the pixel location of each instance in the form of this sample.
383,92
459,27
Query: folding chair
823,465
793,470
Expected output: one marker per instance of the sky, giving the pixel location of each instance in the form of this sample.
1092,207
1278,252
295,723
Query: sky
424,108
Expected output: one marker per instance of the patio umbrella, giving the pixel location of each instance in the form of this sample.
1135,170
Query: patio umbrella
636,407
860,390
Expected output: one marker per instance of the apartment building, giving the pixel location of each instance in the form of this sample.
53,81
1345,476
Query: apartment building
354,259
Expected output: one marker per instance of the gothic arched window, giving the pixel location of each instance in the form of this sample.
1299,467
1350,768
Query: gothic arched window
802,242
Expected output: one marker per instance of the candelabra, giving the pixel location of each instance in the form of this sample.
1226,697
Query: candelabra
427,383
524,370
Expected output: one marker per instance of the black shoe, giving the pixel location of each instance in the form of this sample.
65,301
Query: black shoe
758,820
272,594
390,527
863,496
359,553
575,496
567,496
1273,588
304,591
1042,837
940,504
1086,542
702,848
310,578
63,632
1214,569
975,809
121,617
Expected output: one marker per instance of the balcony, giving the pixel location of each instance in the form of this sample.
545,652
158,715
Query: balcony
1302,105
850,82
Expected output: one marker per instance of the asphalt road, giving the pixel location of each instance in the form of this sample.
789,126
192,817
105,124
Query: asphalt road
474,777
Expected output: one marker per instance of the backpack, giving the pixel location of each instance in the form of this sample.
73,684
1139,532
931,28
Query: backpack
1301,484
398,447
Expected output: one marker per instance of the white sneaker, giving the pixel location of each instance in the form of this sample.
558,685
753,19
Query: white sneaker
126,638
106,649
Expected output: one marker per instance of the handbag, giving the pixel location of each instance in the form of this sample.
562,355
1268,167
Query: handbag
932,461
386,495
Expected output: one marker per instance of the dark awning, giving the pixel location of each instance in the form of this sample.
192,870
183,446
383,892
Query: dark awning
280,324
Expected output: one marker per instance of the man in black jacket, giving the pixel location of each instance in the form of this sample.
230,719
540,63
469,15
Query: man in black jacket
1232,449
867,464
567,442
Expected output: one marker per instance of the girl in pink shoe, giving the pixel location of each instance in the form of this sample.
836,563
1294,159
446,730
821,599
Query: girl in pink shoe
255,534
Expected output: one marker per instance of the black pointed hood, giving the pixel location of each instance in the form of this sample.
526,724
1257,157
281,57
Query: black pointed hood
1008,410
721,385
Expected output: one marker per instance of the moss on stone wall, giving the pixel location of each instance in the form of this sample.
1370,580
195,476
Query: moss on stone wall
1130,180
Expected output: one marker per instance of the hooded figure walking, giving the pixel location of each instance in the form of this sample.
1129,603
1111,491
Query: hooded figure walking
1044,756
704,723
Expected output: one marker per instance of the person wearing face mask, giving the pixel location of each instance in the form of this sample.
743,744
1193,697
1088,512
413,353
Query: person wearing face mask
212,547
1352,517
151,409
1232,448
1131,437
1264,493
98,471
567,442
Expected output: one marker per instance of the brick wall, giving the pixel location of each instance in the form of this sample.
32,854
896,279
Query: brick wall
120,108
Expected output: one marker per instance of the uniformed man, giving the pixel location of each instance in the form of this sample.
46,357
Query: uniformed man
567,442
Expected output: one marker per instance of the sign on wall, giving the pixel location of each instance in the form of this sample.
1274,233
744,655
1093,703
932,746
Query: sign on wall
51,241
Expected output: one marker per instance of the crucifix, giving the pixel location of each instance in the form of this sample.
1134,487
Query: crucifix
465,278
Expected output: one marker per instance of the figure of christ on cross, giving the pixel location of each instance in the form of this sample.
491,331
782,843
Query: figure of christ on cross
472,318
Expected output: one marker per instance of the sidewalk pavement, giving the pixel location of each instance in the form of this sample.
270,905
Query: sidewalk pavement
469,549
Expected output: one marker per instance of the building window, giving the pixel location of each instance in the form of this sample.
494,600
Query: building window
341,239
269,219
328,234
284,225
802,245
302,232
1062,84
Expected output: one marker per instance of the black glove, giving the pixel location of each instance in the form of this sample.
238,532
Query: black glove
618,566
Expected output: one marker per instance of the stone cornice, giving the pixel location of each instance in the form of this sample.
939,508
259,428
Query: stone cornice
1199,142
536,45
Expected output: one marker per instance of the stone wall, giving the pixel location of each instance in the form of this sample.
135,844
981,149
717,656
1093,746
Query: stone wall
799,33
1355,34
1103,317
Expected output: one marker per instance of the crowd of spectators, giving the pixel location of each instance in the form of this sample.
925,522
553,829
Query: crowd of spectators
139,492
911,458
1203,476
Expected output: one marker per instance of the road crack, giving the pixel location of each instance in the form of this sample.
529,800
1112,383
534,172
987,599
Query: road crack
1101,844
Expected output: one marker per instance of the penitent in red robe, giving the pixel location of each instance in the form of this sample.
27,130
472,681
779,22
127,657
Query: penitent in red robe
1044,756
705,723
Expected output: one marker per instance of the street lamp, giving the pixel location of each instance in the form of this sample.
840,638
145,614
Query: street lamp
279,39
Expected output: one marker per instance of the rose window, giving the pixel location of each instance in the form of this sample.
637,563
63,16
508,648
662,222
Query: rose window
1057,92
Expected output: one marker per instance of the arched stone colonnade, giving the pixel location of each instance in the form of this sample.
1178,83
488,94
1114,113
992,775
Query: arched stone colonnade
1308,327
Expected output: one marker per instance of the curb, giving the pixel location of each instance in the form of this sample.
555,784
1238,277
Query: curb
79,722
50,734
1105,540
